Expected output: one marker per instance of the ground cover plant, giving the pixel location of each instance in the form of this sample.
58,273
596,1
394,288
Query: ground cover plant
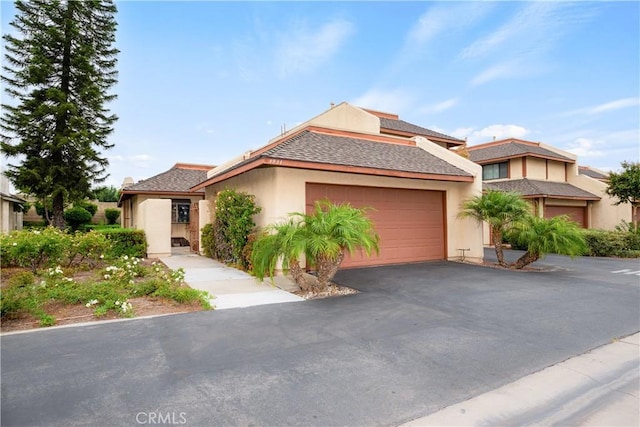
50,277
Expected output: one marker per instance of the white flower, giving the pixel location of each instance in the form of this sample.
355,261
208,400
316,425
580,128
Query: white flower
102,256
88,305
126,257
15,244
131,282
107,276
117,302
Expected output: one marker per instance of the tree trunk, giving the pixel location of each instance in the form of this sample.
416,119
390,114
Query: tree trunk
298,275
496,236
525,260
57,219
327,268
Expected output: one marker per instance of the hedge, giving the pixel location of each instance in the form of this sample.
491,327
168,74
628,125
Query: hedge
126,241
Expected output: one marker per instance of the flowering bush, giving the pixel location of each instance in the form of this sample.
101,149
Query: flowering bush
35,249
89,248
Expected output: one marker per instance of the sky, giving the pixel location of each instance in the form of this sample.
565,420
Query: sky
202,82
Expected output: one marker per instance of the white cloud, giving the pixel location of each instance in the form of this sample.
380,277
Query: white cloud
501,70
440,106
585,147
487,134
536,27
302,49
617,104
137,160
393,101
441,19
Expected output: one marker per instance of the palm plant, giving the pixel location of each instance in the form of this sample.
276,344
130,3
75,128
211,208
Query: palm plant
500,210
322,237
542,236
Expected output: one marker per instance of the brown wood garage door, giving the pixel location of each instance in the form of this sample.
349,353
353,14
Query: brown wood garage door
410,222
576,213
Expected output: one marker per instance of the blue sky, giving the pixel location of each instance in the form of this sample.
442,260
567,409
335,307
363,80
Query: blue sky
202,82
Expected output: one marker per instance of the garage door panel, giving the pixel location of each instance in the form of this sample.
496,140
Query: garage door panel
410,222
576,213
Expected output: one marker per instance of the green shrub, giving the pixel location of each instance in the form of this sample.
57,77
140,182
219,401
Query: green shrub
23,278
34,224
112,215
232,225
92,208
605,243
35,249
88,248
126,241
207,241
76,217
89,227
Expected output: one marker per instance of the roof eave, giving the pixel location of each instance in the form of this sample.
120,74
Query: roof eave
299,164
517,156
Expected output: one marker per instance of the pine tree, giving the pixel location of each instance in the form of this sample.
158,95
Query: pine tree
58,72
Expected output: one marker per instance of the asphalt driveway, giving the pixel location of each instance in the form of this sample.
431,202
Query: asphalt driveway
415,339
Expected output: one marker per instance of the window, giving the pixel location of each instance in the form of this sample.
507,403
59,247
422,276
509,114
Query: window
180,211
495,171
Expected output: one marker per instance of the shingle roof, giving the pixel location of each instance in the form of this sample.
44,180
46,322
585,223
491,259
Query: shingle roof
315,147
402,126
511,149
531,187
174,180
593,174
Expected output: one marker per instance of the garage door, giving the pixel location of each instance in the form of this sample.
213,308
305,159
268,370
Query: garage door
410,222
576,213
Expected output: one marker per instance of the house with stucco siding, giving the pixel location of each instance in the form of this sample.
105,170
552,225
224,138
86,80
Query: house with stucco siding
551,180
405,172
165,207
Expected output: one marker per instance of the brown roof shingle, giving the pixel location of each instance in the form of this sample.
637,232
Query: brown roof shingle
174,180
402,126
348,151
592,173
512,149
531,187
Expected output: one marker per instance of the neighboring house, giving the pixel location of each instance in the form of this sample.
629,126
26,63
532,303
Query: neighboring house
11,207
550,179
165,207
406,173
593,173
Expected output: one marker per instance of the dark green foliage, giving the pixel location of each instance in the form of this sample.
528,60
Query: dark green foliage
89,227
232,225
126,241
44,210
625,186
34,249
611,243
112,215
76,217
106,194
207,242
92,208
60,64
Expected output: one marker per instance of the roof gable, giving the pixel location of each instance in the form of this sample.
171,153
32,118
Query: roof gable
400,126
180,178
506,149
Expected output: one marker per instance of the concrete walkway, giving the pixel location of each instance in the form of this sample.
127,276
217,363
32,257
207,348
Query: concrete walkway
231,288
598,388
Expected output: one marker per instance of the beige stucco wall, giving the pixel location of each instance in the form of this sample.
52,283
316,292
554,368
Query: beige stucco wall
9,220
280,191
555,170
536,168
154,217
515,169
605,214
346,116
177,229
